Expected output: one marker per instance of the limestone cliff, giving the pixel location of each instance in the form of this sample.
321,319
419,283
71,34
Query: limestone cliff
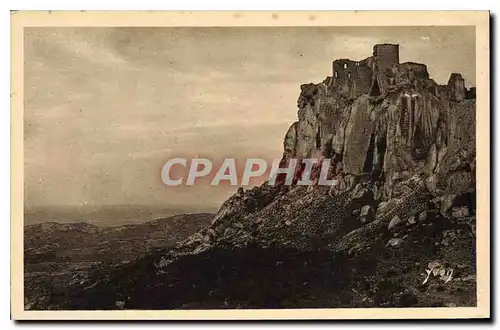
411,128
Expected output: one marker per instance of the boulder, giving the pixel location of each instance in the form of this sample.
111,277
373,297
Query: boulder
411,220
381,206
460,212
395,222
395,242
361,190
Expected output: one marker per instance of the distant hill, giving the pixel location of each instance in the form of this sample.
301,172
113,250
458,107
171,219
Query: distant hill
106,215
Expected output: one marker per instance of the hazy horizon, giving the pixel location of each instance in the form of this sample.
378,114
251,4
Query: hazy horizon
106,215
106,107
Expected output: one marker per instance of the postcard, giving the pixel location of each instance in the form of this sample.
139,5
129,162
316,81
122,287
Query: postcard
250,165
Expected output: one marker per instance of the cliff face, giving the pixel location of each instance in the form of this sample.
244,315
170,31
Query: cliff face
403,153
410,128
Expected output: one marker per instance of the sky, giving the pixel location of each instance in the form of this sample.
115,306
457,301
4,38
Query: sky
106,107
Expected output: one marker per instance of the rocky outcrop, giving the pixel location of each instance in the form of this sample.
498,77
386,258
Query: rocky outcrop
410,128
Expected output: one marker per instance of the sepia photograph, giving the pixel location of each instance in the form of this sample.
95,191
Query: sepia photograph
250,164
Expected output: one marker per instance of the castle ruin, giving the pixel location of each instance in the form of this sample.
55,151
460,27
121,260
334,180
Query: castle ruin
355,78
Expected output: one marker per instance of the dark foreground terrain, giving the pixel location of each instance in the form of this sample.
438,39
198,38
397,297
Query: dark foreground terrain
378,268
277,277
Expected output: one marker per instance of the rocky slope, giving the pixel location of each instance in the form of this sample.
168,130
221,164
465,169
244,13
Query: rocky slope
397,229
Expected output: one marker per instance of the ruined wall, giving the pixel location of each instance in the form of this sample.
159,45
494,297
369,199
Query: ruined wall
409,73
443,91
416,70
364,73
